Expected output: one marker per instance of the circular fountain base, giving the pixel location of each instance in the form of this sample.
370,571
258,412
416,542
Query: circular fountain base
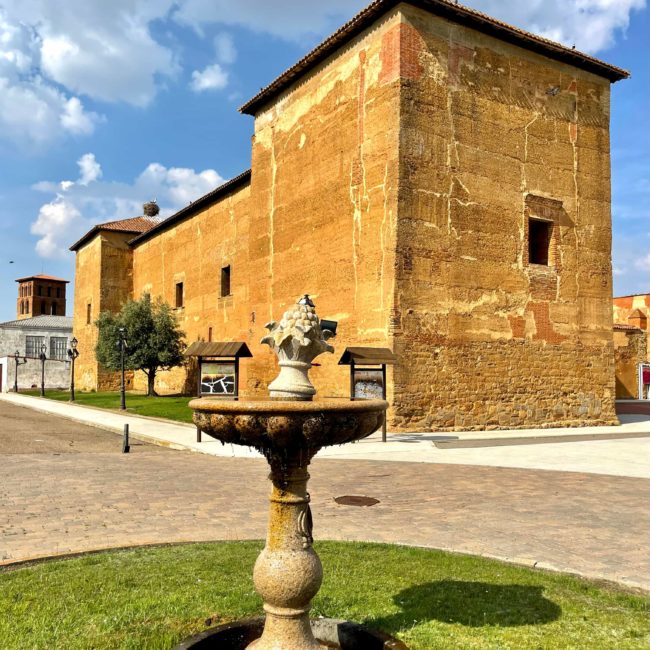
329,632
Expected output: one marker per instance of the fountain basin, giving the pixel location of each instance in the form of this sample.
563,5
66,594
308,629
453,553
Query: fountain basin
331,633
273,426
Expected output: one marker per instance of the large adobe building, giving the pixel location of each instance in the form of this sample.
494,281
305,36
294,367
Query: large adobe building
439,182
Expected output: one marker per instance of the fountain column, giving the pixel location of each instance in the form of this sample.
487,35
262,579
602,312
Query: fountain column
288,572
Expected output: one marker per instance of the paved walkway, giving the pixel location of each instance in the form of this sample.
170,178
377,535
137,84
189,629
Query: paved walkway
624,455
69,500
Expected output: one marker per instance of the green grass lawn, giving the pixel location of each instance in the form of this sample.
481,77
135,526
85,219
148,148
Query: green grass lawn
171,408
153,598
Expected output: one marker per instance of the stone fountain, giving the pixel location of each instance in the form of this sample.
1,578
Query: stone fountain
289,429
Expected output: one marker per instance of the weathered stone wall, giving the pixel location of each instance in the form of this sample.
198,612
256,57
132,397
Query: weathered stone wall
103,280
319,217
57,374
491,135
324,199
630,349
194,252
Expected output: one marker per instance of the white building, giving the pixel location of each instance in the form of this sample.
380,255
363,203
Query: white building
27,337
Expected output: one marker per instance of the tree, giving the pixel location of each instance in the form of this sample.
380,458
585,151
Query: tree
154,339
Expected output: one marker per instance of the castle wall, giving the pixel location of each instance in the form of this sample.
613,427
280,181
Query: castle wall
492,134
324,199
193,252
319,217
103,282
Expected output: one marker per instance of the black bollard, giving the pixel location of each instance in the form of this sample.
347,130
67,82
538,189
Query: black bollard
126,448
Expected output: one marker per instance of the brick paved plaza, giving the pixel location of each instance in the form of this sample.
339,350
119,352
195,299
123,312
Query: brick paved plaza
67,488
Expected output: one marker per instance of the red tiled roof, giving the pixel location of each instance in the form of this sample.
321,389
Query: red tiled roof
626,328
447,9
49,278
135,225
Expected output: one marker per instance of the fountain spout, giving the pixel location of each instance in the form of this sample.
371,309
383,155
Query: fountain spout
296,340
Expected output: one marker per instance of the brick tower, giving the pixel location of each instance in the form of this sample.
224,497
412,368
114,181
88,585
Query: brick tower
40,295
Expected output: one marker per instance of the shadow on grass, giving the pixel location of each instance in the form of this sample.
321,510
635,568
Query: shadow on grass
474,604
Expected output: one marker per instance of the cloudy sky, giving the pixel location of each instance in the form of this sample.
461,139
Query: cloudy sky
106,104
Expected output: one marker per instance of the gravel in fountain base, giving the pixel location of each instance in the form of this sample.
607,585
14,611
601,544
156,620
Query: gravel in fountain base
330,632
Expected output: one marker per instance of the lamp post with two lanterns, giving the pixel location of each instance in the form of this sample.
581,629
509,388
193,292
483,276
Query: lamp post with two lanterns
73,353
43,359
18,363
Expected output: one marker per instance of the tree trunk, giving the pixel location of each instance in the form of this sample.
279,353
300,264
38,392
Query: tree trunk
151,380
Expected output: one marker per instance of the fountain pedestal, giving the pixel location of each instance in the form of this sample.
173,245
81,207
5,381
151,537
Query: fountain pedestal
289,431
288,572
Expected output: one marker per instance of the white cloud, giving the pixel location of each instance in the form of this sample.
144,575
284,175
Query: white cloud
31,108
590,25
643,263
90,169
38,112
79,205
104,50
55,220
224,46
214,77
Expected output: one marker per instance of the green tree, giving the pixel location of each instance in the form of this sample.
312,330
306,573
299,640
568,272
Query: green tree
154,339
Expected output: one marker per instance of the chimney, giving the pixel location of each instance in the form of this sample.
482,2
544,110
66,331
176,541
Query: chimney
151,209
638,319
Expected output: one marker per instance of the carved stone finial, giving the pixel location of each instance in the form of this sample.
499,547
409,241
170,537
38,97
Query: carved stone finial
297,340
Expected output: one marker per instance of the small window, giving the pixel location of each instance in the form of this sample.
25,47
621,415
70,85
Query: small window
89,313
539,241
49,292
33,346
180,301
225,281
58,292
54,309
39,290
209,335
43,307
22,308
58,347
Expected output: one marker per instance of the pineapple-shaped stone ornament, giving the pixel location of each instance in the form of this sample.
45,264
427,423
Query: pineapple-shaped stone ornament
296,340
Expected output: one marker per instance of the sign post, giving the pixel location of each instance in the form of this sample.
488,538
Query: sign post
218,369
368,374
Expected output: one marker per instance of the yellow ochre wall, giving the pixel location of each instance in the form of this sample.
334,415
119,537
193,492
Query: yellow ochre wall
394,184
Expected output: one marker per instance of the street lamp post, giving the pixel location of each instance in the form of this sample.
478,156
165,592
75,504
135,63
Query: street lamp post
123,348
43,359
18,363
73,353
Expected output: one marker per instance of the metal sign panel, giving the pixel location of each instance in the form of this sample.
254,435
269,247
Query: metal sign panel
368,384
217,378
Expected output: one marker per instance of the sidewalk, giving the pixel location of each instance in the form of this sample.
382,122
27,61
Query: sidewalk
616,451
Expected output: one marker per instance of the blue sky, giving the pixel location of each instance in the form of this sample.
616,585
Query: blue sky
106,105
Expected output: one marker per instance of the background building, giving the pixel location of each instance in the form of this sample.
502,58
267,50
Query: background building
27,336
439,182
41,295
632,346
